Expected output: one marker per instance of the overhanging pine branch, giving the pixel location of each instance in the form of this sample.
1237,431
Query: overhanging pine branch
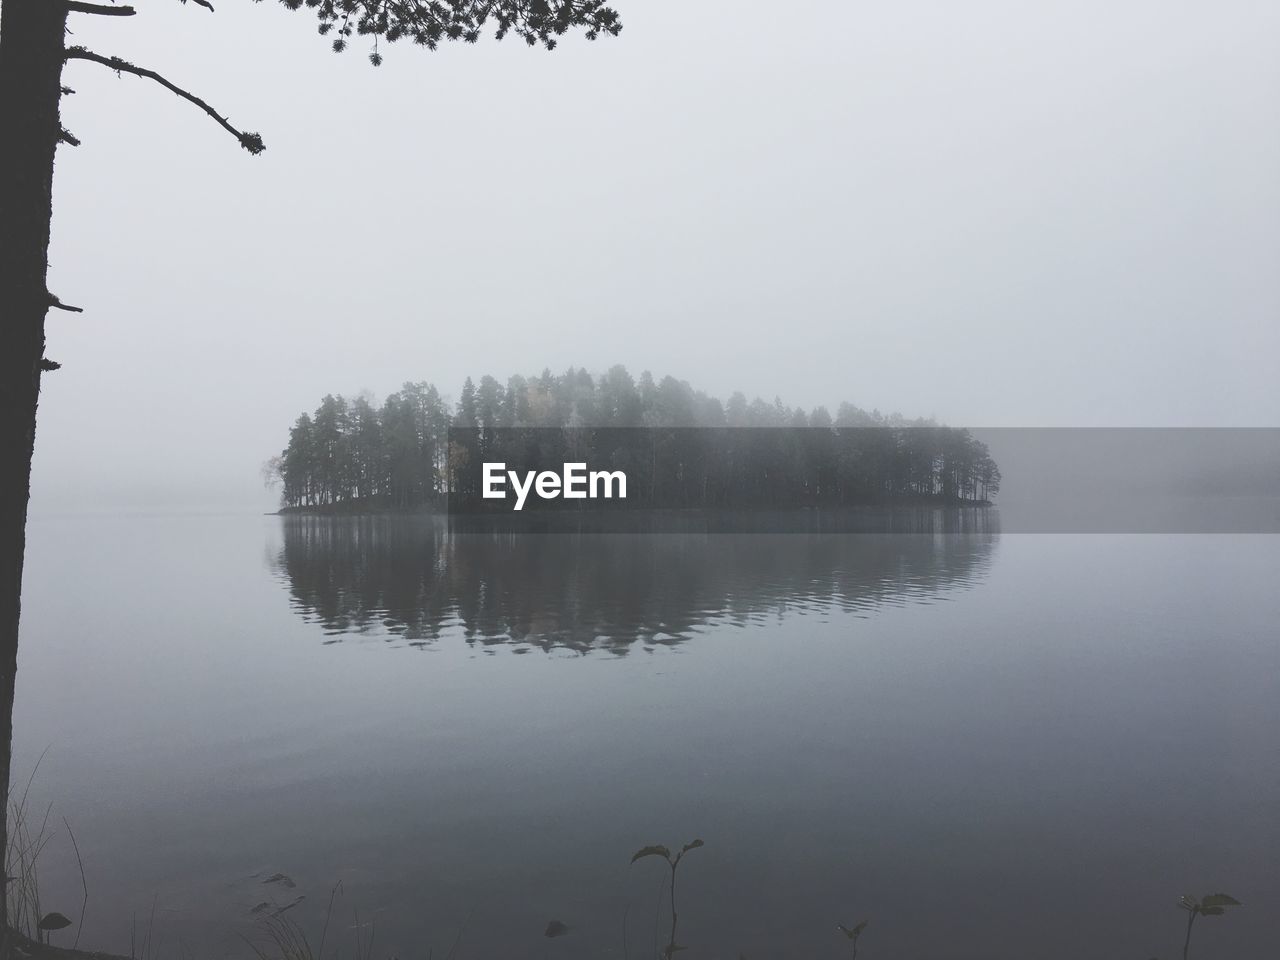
432,22
99,9
250,141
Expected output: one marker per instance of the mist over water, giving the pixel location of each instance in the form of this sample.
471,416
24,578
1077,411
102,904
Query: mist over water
972,740
1055,225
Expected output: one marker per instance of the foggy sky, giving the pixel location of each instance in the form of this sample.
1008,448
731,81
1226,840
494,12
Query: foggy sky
996,213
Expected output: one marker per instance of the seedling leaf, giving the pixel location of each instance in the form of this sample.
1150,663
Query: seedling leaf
852,934
657,850
1219,900
555,929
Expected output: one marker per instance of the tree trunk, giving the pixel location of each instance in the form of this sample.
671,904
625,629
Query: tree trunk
31,52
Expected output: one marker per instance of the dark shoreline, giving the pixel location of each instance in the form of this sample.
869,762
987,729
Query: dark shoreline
362,509
914,516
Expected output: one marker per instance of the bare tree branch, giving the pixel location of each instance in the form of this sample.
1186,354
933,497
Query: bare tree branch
67,137
203,3
75,6
59,305
250,141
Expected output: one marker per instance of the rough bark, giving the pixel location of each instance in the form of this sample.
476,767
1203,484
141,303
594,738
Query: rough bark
31,56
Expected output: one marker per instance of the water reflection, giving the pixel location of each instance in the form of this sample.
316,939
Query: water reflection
412,580
973,770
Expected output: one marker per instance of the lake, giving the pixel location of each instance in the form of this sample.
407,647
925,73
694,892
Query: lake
989,746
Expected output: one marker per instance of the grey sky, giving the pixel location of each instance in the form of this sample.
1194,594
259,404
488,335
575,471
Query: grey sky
1058,213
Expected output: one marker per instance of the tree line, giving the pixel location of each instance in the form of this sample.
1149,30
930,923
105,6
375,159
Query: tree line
356,454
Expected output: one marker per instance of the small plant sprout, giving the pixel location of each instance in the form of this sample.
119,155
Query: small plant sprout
556,929
852,934
673,862
1210,905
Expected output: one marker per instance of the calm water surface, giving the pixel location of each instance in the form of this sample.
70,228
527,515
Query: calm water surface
991,747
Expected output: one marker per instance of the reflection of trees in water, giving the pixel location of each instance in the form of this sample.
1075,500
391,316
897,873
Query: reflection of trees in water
411,579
